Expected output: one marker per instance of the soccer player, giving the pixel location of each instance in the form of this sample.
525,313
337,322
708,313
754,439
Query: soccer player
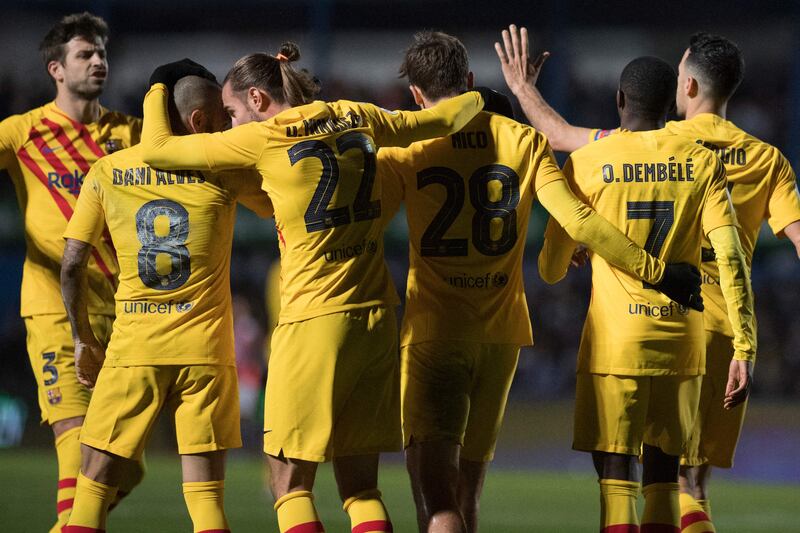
332,388
47,151
468,200
172,344
762,186
641,357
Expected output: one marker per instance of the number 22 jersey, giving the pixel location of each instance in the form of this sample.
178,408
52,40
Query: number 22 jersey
173,232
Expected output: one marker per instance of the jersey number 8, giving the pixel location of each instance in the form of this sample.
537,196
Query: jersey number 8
172,244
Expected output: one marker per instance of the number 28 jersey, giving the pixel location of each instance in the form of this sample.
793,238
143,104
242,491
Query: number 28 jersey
173,232
665,193
468,200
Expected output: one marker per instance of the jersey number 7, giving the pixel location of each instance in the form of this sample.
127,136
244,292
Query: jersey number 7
663,215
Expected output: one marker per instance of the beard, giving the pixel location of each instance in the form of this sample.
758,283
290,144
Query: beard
87,89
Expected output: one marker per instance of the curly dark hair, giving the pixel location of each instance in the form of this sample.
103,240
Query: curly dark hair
437,63
717,63
649,85
90,27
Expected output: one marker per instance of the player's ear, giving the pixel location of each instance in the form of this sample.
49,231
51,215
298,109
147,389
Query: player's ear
198,122
258,99
417,94
56,70
692,88
470,80
620,100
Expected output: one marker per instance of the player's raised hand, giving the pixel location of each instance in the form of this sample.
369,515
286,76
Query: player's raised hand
89,358
515,63
681,282
740,378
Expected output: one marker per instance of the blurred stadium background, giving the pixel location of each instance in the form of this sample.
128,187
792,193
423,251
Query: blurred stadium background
355,47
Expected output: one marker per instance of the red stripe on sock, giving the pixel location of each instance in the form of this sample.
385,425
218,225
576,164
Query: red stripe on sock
693,517
308,527
67,483
659,528
621,528
81,529
63,505
373,525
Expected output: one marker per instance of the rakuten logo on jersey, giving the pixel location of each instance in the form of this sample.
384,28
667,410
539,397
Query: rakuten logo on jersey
490,280
71,182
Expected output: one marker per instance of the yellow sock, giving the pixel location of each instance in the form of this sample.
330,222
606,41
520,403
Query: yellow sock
706,505
296,513
367,513
618,506
68,453
91,506
204,500
661,508
693,517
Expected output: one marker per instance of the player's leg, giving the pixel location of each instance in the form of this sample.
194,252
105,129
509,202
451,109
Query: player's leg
491,381
714,437
291,483
125,404
671,415
366,402
205,402
436,381
610,413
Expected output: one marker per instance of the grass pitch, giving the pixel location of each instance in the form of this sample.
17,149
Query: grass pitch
514,500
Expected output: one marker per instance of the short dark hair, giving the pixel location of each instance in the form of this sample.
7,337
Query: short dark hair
85,25
648,84
275,75
717,62
437,63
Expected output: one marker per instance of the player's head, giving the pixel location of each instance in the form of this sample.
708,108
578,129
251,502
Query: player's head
711,68
646,89
74,53
198,106
261,85
437,66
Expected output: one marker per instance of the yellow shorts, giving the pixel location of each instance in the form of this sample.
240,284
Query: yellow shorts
203,399
52,355
617,414
456,391
716,430
333,386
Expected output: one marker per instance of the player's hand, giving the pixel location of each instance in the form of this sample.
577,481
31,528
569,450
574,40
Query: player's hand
170,73
681,282
580,256
495,102
740,378
517,68
89,358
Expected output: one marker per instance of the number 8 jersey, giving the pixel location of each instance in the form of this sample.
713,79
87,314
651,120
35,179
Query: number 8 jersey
468,200
665,193
173,232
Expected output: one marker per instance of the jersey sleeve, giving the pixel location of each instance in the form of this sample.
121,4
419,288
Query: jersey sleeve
543,162
784,202
401,128
584,225
392,169
556,254
88,219
250,194
239,147
717,208
12,132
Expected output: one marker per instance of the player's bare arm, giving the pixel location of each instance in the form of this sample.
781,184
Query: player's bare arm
521,74
792,231
89,354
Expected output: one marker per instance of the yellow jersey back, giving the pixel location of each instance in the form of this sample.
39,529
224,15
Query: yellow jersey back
173,232
665,193
468,200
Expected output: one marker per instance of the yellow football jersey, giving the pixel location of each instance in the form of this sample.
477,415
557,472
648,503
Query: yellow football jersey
48,155
173,233
468,200
665,193
317,162
762,186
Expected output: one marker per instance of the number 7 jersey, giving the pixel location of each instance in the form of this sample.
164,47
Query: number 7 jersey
173,232
666,193
468,200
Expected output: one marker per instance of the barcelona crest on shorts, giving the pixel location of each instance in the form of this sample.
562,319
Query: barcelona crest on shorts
54,396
